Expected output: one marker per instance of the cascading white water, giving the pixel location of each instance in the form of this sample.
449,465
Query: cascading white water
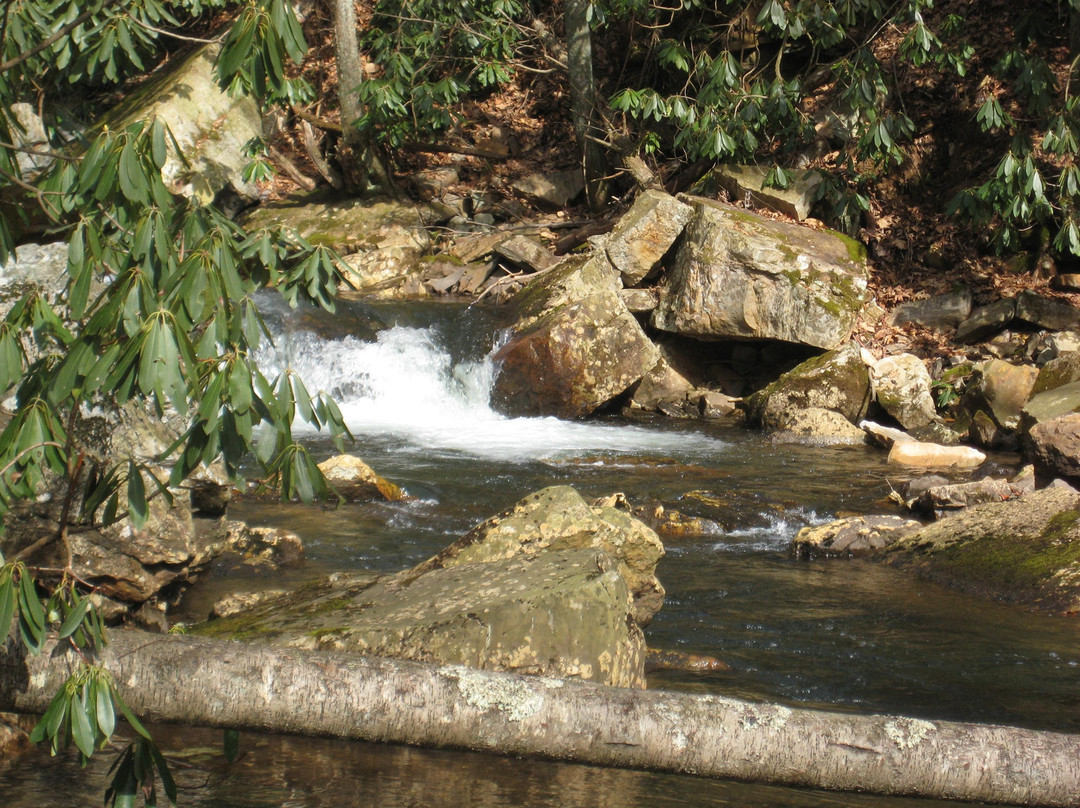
406,386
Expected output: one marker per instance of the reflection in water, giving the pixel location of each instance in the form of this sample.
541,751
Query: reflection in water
283,772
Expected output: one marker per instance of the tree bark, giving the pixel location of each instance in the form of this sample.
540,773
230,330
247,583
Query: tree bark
217,683
359,158
583,103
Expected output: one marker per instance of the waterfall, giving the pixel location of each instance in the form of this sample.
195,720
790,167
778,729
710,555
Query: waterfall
407,387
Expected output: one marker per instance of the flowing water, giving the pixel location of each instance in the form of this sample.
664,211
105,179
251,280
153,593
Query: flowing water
847,635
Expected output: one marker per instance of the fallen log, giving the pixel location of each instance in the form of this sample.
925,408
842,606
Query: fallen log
215,683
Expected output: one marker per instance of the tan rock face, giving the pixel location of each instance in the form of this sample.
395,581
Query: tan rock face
558,518
902,388
356,480
645,233
739,275
209,125
575,346
934,455
856,535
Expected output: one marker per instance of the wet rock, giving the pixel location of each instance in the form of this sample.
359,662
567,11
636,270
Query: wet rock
239,602
939,313
902,388
1054,447
354,479
936,500
558,518
836,380
853,536
544,588
1025,550
14,738
934,455
796,200
574,346
259,546
668,660
209,125
713,405
737,275
645,233
987,320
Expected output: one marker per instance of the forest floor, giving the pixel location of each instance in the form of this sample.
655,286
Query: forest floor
915,249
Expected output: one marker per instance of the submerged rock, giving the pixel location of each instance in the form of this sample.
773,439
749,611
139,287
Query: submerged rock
1025,550
853,536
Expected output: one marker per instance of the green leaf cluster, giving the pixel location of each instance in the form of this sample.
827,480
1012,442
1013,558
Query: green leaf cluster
433,55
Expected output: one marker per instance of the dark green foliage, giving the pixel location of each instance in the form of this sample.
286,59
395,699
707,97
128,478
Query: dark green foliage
432,54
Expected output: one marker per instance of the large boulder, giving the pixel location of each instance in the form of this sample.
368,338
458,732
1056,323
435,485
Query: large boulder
574,347
994,399
553,587
836,380
738,275
558,518
1026,550
209,125
645,233
1054,447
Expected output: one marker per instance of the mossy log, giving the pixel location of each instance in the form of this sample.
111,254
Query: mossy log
218,683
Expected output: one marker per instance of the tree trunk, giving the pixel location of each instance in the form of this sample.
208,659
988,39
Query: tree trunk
217,683
583,103
360,162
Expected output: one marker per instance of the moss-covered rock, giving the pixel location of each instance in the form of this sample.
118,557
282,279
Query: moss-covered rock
552,586
1025,550
836,380
738,275
575,346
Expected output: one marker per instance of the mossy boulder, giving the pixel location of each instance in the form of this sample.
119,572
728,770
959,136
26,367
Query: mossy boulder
553,586
1026,550
836,380
574,347
737,275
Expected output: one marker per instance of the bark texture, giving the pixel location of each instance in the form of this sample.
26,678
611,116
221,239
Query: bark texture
216,683
584,103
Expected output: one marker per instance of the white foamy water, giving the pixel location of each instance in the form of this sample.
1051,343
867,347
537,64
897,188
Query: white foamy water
405,386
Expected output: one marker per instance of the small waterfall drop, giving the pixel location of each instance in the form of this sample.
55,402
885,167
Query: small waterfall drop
405,387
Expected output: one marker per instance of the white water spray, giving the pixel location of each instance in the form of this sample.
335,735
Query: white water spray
405,386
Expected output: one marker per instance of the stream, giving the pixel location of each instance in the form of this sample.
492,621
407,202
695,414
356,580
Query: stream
846,635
